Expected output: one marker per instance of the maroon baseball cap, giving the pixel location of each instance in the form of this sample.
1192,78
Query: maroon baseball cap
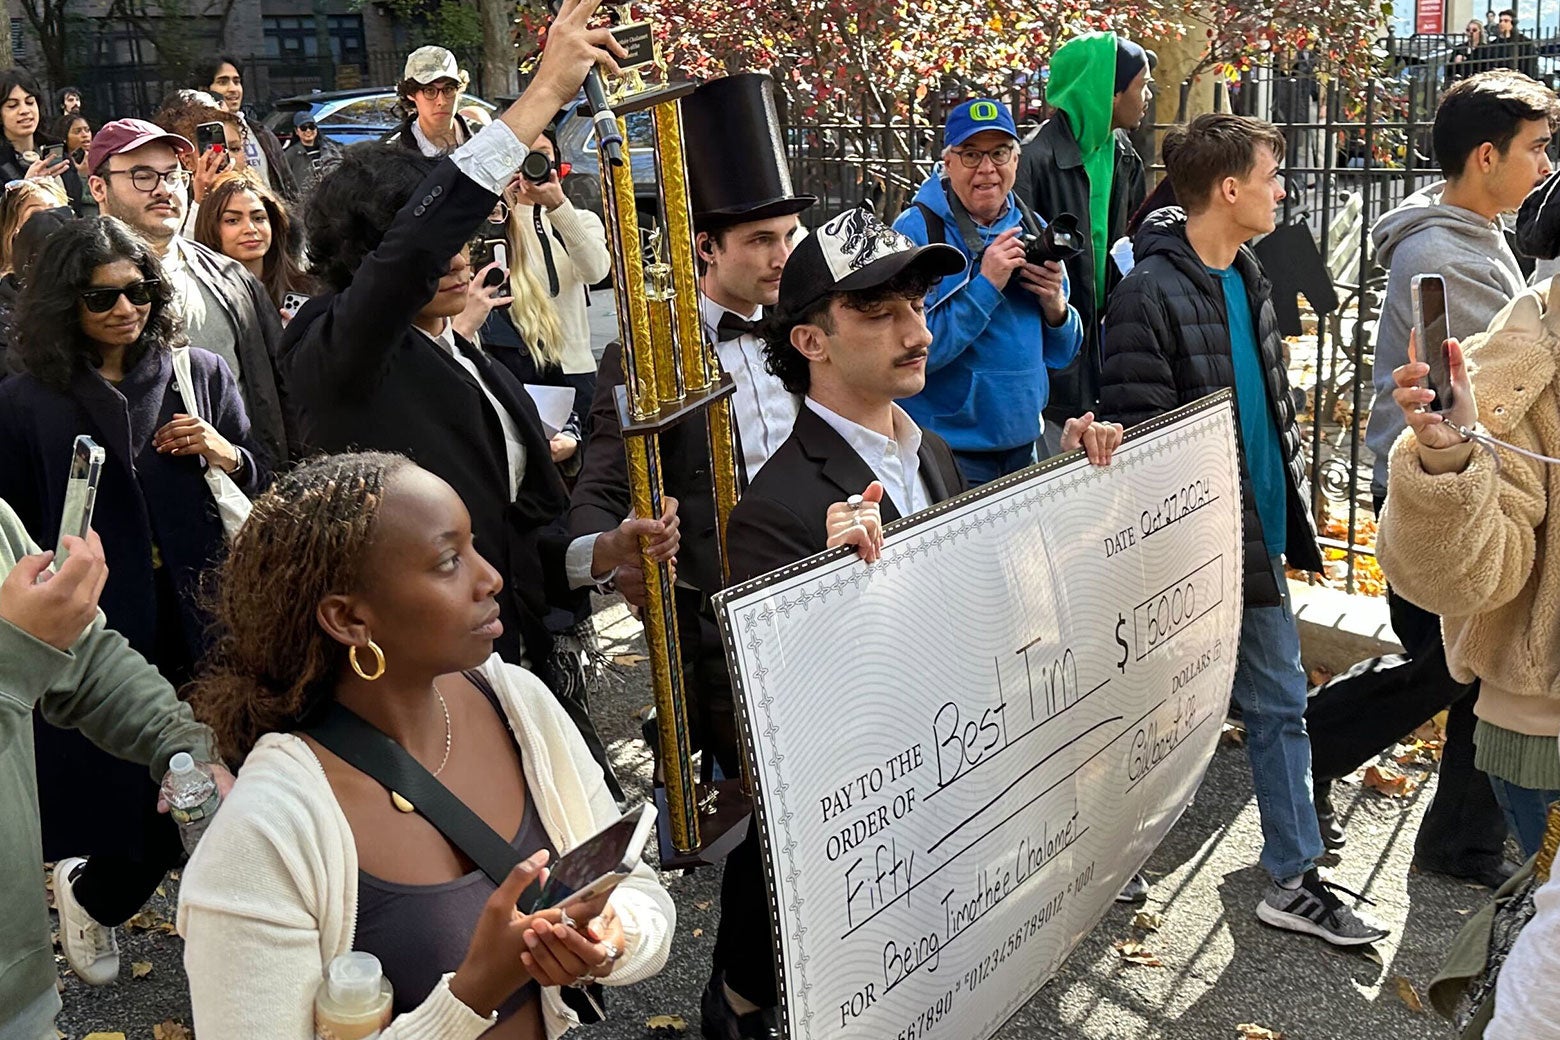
126,135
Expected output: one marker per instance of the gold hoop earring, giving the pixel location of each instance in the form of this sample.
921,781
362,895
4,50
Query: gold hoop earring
379,662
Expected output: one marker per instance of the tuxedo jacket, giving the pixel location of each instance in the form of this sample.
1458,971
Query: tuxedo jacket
781,516
361,378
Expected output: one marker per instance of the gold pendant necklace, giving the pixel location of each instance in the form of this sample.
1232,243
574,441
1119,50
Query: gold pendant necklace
396,798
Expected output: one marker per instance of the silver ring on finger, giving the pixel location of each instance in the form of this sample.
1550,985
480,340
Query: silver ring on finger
613,953
855,502
583,981
565,920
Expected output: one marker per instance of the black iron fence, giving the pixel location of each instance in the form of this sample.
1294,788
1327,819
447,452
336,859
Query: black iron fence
1350,158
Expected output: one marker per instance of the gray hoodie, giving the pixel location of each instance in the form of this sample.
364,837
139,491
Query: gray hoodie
1423,235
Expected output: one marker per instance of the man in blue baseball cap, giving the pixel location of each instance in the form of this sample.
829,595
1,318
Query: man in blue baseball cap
998,327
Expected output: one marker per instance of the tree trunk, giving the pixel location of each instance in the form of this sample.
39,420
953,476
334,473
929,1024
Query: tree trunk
7,56
500,78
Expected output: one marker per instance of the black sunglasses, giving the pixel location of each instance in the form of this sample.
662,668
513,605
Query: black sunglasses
307,126
138,293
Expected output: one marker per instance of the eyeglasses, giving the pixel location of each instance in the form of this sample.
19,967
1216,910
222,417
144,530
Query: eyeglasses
147,179
434,92
307,128
100,300
1001,155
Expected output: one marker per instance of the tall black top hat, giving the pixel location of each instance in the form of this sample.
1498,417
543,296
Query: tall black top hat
737,170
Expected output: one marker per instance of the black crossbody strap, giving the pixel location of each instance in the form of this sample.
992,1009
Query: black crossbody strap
366,748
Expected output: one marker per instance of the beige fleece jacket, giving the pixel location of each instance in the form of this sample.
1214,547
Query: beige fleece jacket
1466,536
270,896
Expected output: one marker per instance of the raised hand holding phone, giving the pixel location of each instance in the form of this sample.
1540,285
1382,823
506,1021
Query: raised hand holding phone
1435,429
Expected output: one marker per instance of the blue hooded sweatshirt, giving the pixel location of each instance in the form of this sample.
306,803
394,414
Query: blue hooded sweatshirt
986,379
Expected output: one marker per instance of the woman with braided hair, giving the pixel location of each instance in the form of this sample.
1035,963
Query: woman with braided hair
356,581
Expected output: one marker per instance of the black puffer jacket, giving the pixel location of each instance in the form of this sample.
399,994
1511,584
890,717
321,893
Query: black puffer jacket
1167,343
1051,178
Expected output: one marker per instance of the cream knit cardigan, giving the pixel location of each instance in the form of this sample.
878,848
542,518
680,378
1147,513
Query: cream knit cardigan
270,896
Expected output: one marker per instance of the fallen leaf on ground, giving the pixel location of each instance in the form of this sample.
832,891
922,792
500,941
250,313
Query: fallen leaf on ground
1408,994
698,932
1387,780
1320,676
104,1036
1252,1031
146,921
168,1029
1147,920
1137,953
675,1023
627,660
140,969
1232,736
703,904
1370,954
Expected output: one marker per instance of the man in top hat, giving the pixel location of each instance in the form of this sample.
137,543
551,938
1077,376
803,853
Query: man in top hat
430,91
997,330
745,220
849,334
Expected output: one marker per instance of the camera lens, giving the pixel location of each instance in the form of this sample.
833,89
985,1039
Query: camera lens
536,168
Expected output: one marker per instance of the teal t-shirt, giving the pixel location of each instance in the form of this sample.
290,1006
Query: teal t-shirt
1258,432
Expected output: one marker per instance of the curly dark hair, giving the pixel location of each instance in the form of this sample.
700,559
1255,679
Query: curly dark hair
47,333
788,365
62,125
279,273
354,204
273,665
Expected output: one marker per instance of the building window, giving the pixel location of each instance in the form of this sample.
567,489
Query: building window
291,37
18,41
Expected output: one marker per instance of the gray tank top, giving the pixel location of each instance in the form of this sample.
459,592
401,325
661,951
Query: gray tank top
420,932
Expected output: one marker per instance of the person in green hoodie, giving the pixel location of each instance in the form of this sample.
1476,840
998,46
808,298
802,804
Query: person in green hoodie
1081,162
56,655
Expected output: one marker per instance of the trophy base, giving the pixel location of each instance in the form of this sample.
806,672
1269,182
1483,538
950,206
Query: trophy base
722,825
672,414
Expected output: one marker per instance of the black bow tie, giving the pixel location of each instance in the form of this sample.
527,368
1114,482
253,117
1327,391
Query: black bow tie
732,327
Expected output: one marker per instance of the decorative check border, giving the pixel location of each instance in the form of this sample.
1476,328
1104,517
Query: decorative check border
1036,490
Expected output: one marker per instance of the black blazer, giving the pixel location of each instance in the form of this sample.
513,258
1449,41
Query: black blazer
601,499
362,378
780,518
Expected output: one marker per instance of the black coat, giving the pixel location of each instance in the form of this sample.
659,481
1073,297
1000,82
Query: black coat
257,334
601,498
146,504
282,180
781,517
302,165
362,378
14,168
1168,343
1052,180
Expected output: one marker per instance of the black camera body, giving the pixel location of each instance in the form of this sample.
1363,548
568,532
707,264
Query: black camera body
1058,242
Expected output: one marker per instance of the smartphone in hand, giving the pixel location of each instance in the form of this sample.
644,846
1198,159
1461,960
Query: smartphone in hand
210,135
1428,293
86,466
594,867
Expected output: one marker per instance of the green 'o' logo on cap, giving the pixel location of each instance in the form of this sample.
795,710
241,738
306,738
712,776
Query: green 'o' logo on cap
983,111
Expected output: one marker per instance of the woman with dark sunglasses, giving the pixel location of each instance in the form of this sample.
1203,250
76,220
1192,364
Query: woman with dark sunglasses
95,333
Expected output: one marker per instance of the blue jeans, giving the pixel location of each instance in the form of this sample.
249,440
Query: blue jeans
1527,812
1270,687
982,467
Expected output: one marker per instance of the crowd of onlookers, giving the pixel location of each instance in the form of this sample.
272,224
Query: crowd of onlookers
366,345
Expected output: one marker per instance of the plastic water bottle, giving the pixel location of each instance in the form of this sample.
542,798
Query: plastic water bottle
192,797
354,1001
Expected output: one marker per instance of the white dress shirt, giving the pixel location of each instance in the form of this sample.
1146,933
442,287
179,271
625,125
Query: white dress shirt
764,409
896,462
514,447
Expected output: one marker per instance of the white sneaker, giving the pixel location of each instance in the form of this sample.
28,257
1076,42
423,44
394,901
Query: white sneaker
90,948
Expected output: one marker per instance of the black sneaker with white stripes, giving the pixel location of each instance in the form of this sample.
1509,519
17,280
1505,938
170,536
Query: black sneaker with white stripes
1313,909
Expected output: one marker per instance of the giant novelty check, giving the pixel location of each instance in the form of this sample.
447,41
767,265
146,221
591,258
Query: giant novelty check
964,750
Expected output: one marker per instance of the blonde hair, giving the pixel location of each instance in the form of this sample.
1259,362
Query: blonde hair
532,309
17,196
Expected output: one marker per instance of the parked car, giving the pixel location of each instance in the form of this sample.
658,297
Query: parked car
577,147
348,116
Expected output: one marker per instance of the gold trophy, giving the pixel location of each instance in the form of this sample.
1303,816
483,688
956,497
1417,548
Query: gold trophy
670,375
